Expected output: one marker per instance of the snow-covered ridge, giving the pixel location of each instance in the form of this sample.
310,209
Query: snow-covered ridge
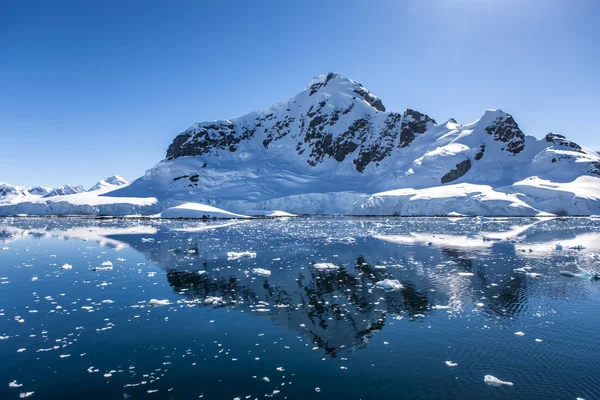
335,148
109,183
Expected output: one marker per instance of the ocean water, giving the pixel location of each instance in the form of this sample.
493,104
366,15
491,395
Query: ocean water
302,308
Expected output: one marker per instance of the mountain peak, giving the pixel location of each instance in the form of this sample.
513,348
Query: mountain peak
110,182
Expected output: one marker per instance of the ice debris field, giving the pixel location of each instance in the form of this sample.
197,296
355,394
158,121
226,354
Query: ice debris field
299,308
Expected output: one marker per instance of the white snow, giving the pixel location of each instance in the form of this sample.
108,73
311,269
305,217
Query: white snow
198,211
66,266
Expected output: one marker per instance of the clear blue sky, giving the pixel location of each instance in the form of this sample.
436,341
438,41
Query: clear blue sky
89,89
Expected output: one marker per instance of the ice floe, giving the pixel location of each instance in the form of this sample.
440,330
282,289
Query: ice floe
389,284
493,381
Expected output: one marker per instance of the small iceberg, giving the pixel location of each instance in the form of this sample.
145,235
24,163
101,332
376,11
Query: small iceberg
66,266
389,284
493,381
326,266
590,275
232,255
261,272
155,302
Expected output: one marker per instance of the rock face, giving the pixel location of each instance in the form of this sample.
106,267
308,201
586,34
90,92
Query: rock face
460,170
413,123
505,130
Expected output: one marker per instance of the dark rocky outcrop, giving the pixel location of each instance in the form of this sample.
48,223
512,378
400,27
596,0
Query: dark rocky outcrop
506,130
204,138
561,141
461,169
413,123
479,155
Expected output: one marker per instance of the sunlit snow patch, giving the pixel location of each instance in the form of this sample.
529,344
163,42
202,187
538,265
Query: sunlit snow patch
198,211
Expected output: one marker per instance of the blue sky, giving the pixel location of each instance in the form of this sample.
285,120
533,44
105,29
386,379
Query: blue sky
89,89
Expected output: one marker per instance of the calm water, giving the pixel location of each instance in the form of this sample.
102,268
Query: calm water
229,331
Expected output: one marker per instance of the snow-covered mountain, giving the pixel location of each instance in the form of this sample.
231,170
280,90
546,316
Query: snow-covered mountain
334,148
64,190
112,183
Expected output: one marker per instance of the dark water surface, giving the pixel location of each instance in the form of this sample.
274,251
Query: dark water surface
485,294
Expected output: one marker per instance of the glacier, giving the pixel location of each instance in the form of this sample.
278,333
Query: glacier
335,149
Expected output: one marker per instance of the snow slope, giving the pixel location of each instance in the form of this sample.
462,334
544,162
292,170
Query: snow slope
112,183
334,148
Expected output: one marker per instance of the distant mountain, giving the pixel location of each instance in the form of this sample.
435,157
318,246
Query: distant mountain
39,190
65,190
335,148
109,183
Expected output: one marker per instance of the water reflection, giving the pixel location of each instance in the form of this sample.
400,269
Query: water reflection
444,266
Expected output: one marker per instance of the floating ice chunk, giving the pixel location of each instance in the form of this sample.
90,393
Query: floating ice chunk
465,274
35,278
102,268
523,270
266,379
520,333
155,302
213,300
493,381
4,248
106,264
534,275
538,340
232,255
262,272
14,384
66,266
568,273
591,275
325,266
25,394
389,284
451,364
107,301
151,274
